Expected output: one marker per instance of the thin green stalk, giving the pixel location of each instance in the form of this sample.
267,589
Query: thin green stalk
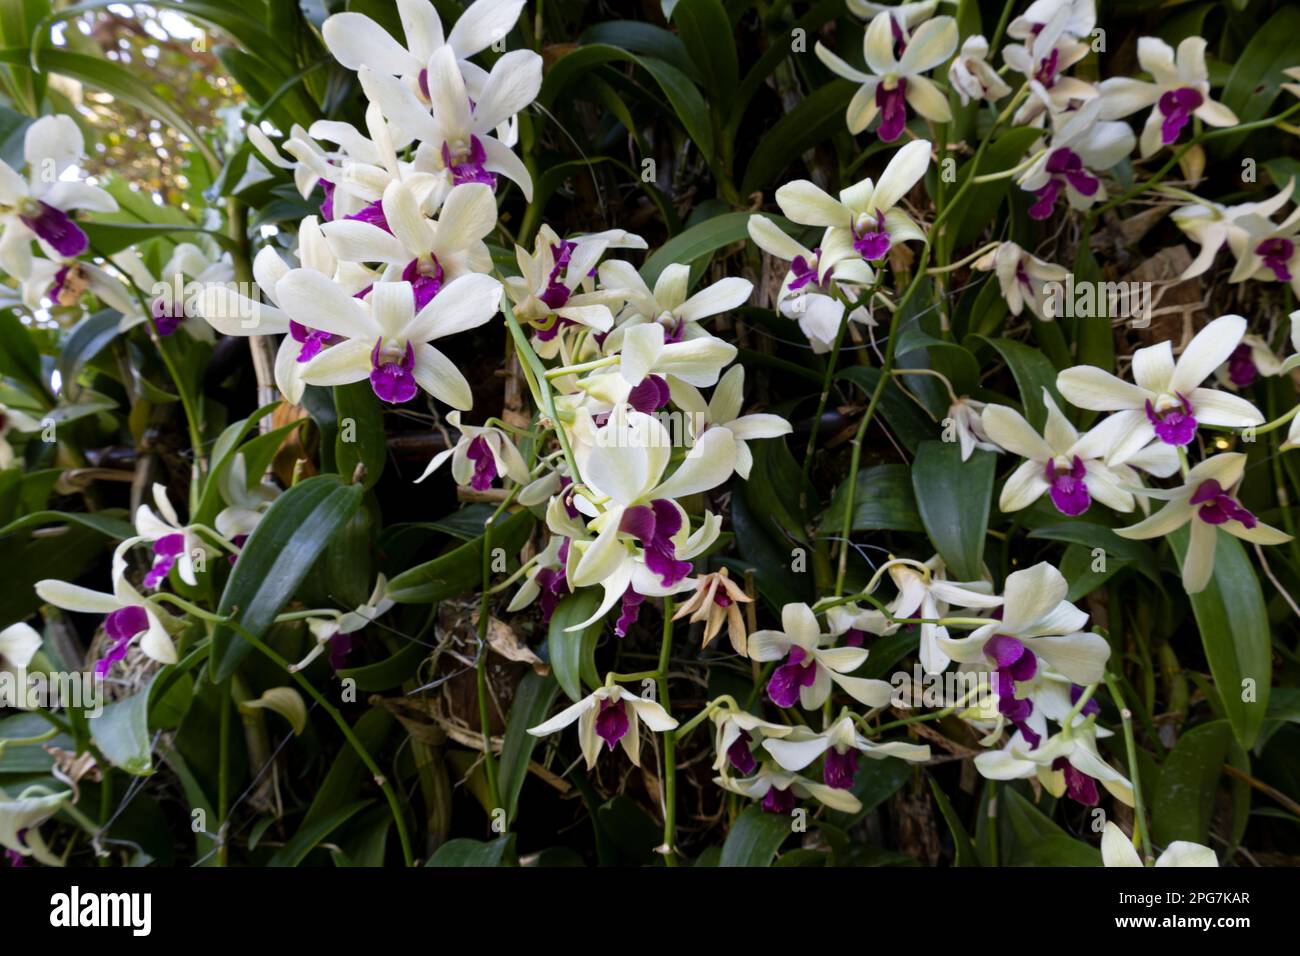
1139,813
670,742
480,665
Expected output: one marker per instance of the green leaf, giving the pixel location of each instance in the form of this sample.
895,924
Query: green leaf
1033,373
104,522
532,702
810,123
1034,840
389,672
309,837
687,103
908,423
121,732
980,206
107,238
707,35
754,838
1185,796
1234,626
274,560
20,360
965,849
642,38
883,501
348,773
1257,76
476,853
85,341
361,439
572,656
953,498
700,240
459,570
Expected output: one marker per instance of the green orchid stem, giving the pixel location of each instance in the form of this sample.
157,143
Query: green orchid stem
611,678
881,607
669,848
977,254
1008,173
1081,703
923,718
954,202
726,700
28,741
583,367
480,665
351,737
223,771
535,375
1139,813
1277,422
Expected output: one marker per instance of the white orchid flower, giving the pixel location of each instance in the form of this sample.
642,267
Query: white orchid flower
1081,144
1036,620
965,418
1079,20
623,466
1066,764
907,14
174,543
1180,89
811,669
170,304
1070,467
778,789
18,645
612,714
13,420
386,340
1117,850
424,252
1167,400
328,631
1206,500
129,614
925,593
668,305
971,74
645,350
22,816
357,41
1272,252
807,296
244,506
479,457
37,207
735,733
1022,277
1211,225
64,281
230,312
555,287
723,411
841,743
896,82
457,137
865,221
1048,48
1291,363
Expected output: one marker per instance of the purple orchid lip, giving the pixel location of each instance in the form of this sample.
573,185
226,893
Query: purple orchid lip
121,626
650,395
740,756
57,229
1242,370
469,166
870,243
839,769
1218,507
900,38
1047,68
372,213
1277,253
165,317
788,679
327,204
629,611
1065,166
893,111
166,550
1177,107
612,722
554,585
311,340
779,801
63,288
485,464
393,382
426,277
1175,426
1079,787
654,526
556,295
1013,662
1068,490
1091,708
804,271
340,648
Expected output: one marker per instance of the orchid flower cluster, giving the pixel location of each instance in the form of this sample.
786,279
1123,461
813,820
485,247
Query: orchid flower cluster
647,421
